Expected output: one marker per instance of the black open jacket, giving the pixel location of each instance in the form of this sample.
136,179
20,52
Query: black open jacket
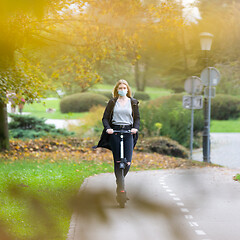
107,121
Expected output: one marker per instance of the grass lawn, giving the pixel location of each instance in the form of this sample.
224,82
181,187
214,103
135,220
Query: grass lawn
39,110
35,195
225,126
152,91
238,177
38,178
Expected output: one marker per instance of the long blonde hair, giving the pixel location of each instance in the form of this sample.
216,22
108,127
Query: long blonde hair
115,90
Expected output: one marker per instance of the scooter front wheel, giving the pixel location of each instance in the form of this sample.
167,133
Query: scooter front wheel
121,194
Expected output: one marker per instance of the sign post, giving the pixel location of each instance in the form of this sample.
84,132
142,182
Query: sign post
210,77
193,85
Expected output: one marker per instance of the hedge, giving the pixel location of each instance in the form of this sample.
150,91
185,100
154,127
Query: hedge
162,145
224,107
141,96
82,102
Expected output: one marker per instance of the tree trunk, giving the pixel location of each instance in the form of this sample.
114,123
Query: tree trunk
184,51
137,80
145,75
4,138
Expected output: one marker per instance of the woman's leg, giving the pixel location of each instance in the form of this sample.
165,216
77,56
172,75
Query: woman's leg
128,151
115,145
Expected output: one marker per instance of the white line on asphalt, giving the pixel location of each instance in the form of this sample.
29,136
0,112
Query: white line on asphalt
184,210
193,224
200,232
188,216
180,203
176,199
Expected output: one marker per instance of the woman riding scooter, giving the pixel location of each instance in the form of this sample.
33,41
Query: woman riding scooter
122,112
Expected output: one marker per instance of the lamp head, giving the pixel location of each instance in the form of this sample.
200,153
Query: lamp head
206,41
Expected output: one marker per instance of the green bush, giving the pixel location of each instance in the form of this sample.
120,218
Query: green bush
82,102
175,121
161,100
224,107
26,126
141,96
162,145
106,94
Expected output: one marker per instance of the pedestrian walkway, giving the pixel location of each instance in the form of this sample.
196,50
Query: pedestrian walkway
59,123
225,150
183,204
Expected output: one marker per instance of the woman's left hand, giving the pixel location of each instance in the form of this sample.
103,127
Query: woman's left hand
134,130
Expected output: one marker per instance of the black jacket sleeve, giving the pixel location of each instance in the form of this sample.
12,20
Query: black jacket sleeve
136,115
107,114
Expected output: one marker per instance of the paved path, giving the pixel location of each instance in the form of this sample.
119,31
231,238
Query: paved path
63,123
59,123
200,204
225,150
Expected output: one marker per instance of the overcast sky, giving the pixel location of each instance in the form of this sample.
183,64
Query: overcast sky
190,13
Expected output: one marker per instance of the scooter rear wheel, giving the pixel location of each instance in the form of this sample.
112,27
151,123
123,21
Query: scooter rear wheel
122,199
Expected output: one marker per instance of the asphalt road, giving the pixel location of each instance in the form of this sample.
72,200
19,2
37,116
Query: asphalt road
200,204
225,150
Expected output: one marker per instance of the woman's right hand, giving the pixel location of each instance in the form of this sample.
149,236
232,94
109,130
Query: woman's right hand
109,131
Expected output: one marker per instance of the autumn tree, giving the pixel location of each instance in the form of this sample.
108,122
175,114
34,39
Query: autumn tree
20,25
146,30
225,51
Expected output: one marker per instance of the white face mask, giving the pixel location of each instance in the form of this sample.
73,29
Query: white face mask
123,92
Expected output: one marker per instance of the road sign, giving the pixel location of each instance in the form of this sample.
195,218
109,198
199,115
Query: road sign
193,85
190,102
212,92
210,76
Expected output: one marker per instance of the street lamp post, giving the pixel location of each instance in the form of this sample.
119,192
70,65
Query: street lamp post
206,42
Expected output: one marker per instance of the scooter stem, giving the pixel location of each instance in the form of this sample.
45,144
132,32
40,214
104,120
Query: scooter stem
121,144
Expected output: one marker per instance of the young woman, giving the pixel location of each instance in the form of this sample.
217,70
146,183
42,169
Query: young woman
121,113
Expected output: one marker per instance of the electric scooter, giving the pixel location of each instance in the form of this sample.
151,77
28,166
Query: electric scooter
121,194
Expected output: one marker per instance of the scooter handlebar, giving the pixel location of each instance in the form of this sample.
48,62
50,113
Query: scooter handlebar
122,131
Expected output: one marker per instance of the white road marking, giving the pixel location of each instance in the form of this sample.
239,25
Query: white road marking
180,203
176,199
193,224
184,210
200,232
188,216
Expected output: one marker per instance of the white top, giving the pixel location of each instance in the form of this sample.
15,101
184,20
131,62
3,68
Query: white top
122,115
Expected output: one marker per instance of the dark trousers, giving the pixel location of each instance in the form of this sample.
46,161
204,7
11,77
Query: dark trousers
128,151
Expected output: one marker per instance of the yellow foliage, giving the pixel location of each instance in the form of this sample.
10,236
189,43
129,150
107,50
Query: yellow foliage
92,120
